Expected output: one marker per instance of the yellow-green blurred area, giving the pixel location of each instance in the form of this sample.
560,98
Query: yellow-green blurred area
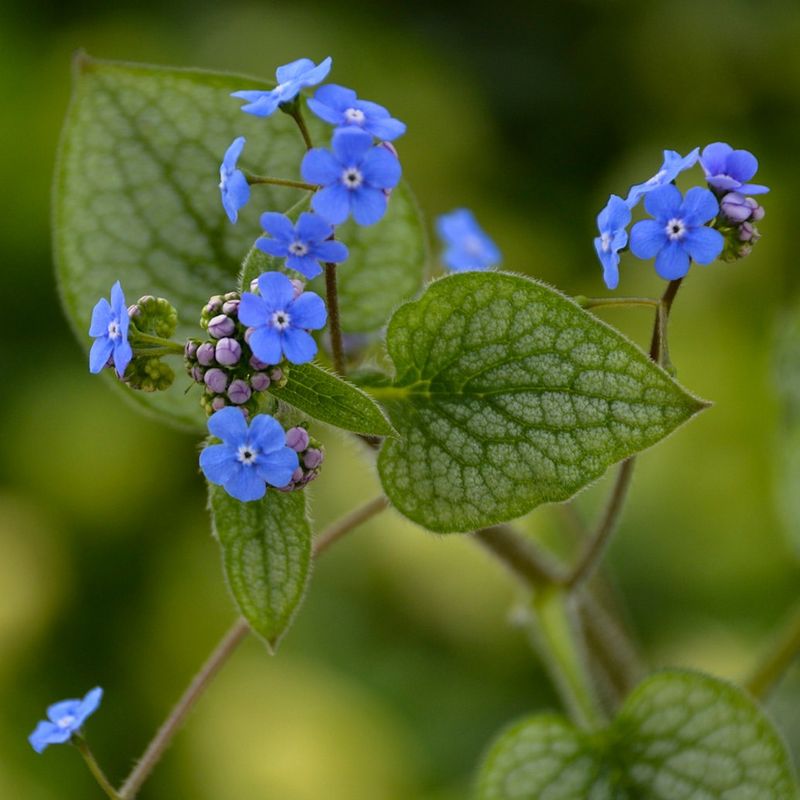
404,660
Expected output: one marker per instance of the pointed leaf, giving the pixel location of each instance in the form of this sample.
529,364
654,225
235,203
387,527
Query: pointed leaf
508,395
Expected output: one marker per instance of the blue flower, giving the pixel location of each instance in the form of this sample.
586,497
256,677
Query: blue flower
303,245
109,327
729,170
233,185
65,719
468,247
291,79
354,177
340,106
678,231
280,321
249,458
674,164
612,224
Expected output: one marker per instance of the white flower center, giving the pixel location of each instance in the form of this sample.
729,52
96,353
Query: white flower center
298,248
113,330
352,178
472,245
354,116
246,454
66,721
282,87
657,177
675,229
281,320
605,241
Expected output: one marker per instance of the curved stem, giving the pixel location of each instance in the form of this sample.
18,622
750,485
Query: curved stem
265,179
334,532
296,113
785,649
94,767
518,554
601,302
334,321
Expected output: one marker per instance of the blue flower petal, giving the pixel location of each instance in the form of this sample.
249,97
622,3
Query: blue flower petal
753,188
277,291
63,708
386,129
703,244
350,145
217,461
293,70
714,157
263,106
313,228
266,345
699,206
279,226
272,247
277,467
308,311
368,205
253,310
381,169
229,425
101,317
298,346
90,703
266,433
742,165
672,262
647,238
332,251
47,733
101,351
307,265
320,166
663,203
118,304
618,214
232,153
332,203
122,355
245,484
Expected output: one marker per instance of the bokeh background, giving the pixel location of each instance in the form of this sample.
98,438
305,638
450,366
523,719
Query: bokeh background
404,661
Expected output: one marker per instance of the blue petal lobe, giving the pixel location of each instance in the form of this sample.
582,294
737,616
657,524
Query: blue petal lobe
381,169
298,346
100,353
647,238
265,342
699,206
672,262
308,311
368,204
351,145
320,166
101,317
218,461
253,310
266,433
276,467
279,226
313,228
277,291
663,203
245,485
331,251
704,244
229,425
332,203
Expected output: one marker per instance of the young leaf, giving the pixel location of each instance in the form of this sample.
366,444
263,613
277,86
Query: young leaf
136,200
266,554
679,736
507,395
325,397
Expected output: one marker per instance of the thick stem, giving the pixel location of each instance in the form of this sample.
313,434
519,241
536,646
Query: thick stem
334,322
785,649
265,179
518,554
94,767
355,518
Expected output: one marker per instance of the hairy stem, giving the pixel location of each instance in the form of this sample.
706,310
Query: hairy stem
334,322
265,179
518,554
296,113
784,650
94,767
223,651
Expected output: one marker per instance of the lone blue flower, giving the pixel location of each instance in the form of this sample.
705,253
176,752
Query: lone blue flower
730,170
65,719
233,185
468,247
678,232
291,79
109,327
303,245
280,321
674,163
612,224
340,106
249,458
354,177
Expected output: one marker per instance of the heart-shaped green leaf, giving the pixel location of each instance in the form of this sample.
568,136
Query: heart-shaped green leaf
679,736
266,554
507,395
136,200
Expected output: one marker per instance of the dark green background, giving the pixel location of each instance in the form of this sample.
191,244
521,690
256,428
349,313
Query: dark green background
403,663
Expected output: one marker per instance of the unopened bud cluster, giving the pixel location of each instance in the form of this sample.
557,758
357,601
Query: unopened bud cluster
151,316
224,365
310,453
737,217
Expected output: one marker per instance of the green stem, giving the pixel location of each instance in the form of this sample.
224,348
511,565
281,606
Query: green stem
334,321
556,632
600,302
785,649
352,520
163,345
94,767
518,554
265,179
296,113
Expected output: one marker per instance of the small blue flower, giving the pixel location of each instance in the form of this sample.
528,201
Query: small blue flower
65,719
280,320
612,224
678,232
354,177
291,79
674,164
340,106
233,185
468,247
729,170
249,458
109,327
303,245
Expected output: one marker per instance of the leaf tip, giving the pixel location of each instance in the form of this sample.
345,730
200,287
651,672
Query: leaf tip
82,62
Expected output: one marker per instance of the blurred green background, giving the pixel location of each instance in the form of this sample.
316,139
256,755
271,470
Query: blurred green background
404,662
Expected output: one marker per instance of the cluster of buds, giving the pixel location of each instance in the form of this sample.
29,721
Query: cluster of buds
150,317
737,218
310,453
224,364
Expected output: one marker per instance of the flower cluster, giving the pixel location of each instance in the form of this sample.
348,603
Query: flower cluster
64,720
310,453
705,224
